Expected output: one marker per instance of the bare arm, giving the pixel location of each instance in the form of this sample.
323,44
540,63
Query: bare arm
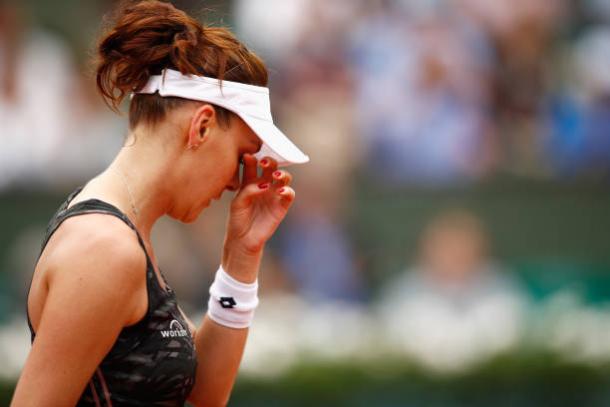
254,216
220,349
91,287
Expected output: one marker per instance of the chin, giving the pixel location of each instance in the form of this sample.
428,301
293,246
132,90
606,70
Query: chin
191,219
193,214
185,217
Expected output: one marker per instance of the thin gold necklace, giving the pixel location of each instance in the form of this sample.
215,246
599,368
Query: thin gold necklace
131,200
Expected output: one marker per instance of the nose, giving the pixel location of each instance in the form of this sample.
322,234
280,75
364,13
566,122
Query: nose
233,185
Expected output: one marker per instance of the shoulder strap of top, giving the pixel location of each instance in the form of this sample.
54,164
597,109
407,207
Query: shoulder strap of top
92,205
53,223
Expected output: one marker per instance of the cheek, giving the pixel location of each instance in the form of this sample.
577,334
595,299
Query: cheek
229,169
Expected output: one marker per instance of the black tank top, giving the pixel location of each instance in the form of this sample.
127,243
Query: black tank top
152,363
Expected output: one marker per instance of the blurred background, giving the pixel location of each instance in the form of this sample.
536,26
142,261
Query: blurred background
450,244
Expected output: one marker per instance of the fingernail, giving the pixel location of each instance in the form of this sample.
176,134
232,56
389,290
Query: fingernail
264,185
277,174
264,162
281,190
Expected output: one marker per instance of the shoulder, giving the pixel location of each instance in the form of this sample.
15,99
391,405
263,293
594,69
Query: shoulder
97,247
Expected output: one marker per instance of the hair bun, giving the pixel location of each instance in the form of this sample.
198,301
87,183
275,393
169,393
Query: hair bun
149,36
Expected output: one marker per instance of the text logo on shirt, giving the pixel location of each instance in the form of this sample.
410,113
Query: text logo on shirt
175,330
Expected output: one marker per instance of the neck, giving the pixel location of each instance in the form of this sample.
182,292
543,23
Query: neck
139,176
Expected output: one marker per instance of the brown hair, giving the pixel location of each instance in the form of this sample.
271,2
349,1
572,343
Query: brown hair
148,36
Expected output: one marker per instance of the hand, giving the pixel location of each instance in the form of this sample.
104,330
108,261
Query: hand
258,208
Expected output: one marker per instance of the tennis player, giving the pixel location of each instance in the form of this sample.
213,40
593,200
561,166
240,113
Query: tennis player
106,327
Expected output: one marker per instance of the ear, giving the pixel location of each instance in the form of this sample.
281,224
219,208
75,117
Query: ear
203,119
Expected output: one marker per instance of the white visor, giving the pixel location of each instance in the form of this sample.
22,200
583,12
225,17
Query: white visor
249,102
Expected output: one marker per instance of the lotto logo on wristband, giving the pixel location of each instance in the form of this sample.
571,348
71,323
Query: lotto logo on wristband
232,302
227,302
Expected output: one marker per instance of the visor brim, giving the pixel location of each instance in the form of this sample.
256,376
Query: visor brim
275,143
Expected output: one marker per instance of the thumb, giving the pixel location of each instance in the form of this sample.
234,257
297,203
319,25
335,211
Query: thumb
245,196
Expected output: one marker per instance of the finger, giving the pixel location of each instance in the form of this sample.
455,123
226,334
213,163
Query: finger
250,170
287,195
281,178
269,166
249,192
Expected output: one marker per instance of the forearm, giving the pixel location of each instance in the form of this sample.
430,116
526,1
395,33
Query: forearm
219,352
220,348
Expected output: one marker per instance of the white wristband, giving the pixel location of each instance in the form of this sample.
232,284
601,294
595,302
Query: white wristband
232,303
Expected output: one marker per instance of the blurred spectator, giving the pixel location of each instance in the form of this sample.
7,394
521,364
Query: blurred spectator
271,34
524,34
36,77
579,114
319,260
421,90
455,307
313,246
293,25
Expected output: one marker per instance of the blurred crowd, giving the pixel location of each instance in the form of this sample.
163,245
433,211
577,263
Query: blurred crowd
444,91
426,93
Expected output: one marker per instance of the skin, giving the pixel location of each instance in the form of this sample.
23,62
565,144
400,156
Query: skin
89,282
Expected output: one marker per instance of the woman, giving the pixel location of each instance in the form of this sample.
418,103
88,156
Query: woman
104,331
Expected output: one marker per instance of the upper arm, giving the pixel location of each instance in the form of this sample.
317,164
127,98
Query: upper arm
90,299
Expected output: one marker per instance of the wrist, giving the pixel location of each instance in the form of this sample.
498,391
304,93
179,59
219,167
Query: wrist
232,303
240,263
